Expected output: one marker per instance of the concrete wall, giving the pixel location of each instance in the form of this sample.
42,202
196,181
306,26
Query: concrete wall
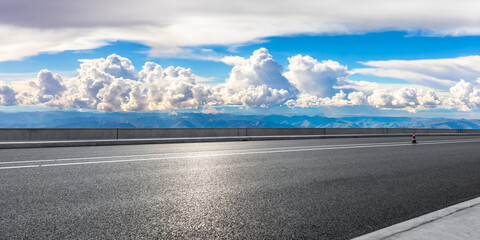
131,133
45,134
283,131
332,131
42,134
15,134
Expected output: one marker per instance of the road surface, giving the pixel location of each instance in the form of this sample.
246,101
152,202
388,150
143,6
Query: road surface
322,189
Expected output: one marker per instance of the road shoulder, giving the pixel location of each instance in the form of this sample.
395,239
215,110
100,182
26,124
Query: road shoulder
459,221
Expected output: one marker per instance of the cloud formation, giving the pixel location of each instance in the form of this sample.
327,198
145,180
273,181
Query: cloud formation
257,70
316,78
409,99
113,84
464,96
32,27
434,73
7,96
308,100
255,82
48,87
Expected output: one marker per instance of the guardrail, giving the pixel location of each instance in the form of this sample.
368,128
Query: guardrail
46,134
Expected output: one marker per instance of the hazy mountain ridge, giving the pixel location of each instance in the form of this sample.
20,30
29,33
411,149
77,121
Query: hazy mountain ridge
59,119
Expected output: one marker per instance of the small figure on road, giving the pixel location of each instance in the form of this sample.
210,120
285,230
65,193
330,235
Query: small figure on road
414,139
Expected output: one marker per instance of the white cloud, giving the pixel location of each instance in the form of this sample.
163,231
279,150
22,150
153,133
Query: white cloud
313,77
257,70
31,27
116,66
434,73
153,88
7,96
172,88
113,84
357,98
24,42
409,99
464,96
233,60
117,96
254,82
369,87
252,96
319,84
47,89
211,110
338,100
429,99
432,78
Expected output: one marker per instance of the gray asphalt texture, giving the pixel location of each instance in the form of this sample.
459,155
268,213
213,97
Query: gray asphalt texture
316,194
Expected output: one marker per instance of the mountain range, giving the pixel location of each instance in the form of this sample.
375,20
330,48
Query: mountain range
71,119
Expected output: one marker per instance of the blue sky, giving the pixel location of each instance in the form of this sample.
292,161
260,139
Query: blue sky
383,58
349,50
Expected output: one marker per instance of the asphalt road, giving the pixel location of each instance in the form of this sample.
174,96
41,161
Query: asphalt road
322,189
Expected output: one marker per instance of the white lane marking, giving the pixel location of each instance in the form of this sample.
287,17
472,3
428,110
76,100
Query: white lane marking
127,156
23,166
239,150
166,154
232,154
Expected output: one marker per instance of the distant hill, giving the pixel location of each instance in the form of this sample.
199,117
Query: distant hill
63,119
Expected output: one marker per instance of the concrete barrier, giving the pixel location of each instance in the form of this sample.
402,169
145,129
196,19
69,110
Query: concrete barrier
468,130
7,134
333,131
411,130
52,134
138,133
283,131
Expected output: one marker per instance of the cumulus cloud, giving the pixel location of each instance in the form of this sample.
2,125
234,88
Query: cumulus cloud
118,87
103,84
7,96
211,110
357,98
252,96
318,83
116,66
255,71
113,84
172,88
47,89
464,96
338,100
31,27
409,99
255,82
321,83
313,77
